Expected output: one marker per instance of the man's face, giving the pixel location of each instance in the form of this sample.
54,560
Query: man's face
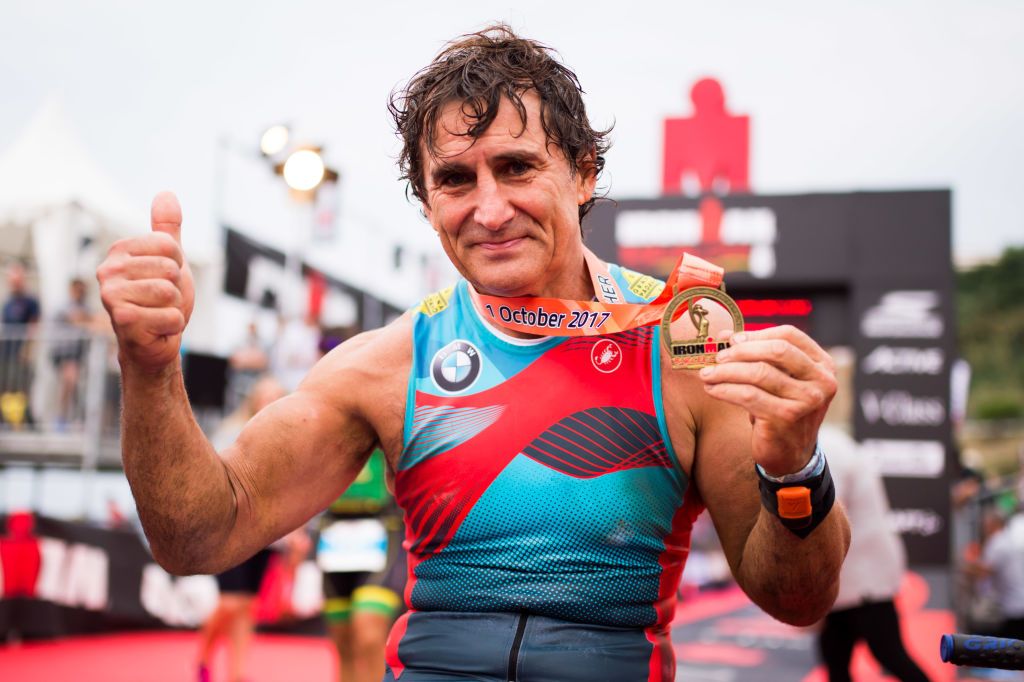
16,279
78,291
506,205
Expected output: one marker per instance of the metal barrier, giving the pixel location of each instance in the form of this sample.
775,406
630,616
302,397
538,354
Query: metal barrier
59,396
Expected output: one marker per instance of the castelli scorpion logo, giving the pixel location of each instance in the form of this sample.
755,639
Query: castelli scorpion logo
606,356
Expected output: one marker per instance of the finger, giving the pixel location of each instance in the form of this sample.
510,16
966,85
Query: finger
148,293
761,374
778,352
789,333
152,244
759,403
144,267
165,215
143,325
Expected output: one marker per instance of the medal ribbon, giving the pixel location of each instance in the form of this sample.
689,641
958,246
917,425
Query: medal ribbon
607,315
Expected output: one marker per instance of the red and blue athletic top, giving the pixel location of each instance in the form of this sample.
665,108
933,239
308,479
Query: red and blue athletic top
537,475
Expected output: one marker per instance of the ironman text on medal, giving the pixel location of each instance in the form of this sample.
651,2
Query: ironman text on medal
711,312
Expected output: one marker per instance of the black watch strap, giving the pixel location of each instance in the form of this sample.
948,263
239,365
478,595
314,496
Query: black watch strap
800,505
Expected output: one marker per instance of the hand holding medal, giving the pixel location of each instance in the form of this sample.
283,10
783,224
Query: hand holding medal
785,381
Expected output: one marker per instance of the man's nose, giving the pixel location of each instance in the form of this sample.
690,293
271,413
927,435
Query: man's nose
493,209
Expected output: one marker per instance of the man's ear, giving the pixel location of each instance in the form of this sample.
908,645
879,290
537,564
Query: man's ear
586,177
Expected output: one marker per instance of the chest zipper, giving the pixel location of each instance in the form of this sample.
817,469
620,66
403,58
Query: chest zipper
513,654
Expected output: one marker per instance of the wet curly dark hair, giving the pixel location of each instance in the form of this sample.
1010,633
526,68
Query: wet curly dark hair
479,69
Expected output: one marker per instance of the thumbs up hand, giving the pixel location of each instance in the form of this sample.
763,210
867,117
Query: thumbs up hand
146,287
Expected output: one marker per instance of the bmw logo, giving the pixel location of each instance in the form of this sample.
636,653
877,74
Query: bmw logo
456,366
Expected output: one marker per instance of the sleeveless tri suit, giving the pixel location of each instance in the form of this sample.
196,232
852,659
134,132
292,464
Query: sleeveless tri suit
547,519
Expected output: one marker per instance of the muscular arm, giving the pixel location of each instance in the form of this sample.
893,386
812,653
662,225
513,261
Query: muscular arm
764,403
793,580
203,512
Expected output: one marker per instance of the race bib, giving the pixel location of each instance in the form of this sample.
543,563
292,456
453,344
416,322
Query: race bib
353,547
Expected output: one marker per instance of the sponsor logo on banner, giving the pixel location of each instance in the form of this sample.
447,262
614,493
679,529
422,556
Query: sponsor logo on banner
890,360
73,574
606,356
900,408
738,239
904,315
906,458
921,522
455,367
188,601
183,601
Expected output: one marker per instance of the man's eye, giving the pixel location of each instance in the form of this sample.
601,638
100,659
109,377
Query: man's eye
518,167
454,179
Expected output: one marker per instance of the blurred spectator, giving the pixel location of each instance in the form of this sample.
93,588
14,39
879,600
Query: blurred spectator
364,571
21,559
872,572
74,321
249,361
115,517
1003,561
296,350
234,614
20,315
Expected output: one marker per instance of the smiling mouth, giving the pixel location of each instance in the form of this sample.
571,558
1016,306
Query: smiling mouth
500,246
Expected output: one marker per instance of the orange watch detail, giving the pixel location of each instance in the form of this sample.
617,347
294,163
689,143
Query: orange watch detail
794,502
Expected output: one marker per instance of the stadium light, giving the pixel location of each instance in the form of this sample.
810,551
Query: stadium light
304,170
274,140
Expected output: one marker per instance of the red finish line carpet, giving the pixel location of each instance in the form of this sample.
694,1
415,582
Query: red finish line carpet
161,657
719,636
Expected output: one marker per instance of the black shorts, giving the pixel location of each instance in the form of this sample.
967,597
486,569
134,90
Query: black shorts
246,577
380,591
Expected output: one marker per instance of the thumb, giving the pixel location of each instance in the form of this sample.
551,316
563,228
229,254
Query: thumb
165,215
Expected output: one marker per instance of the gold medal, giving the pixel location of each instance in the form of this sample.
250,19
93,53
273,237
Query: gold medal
708,322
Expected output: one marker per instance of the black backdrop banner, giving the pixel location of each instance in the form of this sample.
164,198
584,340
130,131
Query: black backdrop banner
871,271
69,578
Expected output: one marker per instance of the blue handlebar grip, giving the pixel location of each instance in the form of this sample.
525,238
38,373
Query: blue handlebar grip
946,648
1002,653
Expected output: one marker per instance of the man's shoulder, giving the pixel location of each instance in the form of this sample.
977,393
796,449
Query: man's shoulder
436,302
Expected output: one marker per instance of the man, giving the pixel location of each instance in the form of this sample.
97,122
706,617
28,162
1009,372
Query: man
1002,560
19,316
74,321
547,495
872,573
360,553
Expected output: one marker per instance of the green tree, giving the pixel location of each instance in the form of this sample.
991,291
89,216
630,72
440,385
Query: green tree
990,312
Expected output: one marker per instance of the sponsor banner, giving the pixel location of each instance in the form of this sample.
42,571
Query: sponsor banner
258,273
875,269
907,458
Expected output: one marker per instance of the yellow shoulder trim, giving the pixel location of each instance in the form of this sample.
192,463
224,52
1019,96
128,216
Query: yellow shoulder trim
436,302
644,286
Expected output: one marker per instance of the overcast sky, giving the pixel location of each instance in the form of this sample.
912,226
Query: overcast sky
873,95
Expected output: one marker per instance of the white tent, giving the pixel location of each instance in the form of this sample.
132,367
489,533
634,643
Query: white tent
60,211
57,207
